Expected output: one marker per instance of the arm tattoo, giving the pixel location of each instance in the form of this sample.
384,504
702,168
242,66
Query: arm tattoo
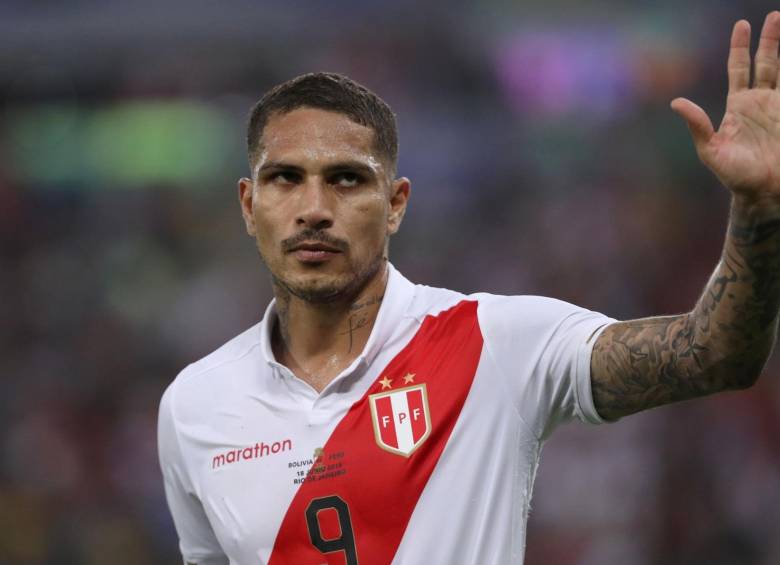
722,344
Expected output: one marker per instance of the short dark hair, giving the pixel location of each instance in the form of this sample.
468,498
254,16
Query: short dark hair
332,92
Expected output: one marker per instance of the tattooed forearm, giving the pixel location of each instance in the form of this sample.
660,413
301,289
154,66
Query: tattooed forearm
722,344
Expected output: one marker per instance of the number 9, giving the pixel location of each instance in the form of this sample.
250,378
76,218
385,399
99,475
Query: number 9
346,542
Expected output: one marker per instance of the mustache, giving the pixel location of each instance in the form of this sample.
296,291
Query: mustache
311,235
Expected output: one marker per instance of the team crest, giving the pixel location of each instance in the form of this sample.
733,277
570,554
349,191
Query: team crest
401,418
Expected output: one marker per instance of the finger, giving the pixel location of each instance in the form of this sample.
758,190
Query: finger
739,57
697,120
766,54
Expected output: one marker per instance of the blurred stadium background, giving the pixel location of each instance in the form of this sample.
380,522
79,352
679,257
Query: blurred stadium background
544,159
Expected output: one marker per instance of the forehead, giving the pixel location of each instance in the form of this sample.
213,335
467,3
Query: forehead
315,133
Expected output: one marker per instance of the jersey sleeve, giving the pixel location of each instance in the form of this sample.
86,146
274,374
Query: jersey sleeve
197,542
542,347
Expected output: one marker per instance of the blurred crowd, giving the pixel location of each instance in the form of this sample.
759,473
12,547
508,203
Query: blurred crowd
544,159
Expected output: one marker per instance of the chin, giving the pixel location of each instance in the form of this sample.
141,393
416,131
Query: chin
320,288
323,287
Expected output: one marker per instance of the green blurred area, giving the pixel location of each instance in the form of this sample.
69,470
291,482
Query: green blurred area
127,144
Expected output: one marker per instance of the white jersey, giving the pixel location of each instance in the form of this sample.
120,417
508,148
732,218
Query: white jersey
424,450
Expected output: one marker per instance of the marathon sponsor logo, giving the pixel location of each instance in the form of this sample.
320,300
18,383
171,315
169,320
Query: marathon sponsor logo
255,451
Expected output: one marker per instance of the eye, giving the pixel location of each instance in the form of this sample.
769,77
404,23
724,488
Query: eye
346,179
284,177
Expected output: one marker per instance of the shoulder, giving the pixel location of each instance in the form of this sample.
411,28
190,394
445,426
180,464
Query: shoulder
431,301
523,312
531,325
495,312
202,383
235,349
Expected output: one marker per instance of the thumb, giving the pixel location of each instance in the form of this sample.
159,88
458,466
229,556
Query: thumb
697,120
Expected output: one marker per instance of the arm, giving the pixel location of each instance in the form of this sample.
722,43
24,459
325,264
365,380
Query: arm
721,345
724,342
197,541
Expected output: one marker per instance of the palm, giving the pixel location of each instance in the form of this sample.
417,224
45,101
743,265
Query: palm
744,153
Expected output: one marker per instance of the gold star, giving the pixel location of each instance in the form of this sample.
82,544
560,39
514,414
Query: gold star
386,383
409,378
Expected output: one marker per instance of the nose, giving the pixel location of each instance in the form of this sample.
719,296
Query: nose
315,209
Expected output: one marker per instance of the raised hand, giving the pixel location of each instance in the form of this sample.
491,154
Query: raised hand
744,153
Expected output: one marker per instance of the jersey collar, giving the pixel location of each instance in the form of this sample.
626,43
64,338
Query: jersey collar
399,294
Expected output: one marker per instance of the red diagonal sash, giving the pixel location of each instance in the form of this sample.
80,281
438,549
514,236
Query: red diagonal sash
360,516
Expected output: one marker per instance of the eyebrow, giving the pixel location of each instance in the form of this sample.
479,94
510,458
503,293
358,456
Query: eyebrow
349,165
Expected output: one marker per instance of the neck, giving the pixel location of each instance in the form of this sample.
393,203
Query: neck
317,341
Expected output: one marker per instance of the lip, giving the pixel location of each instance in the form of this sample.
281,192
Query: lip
314,246
314,252
314,255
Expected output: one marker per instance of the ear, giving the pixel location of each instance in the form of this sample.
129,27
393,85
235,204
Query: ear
399,196
245,197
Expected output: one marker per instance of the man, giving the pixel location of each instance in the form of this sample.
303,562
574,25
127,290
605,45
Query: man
366,419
